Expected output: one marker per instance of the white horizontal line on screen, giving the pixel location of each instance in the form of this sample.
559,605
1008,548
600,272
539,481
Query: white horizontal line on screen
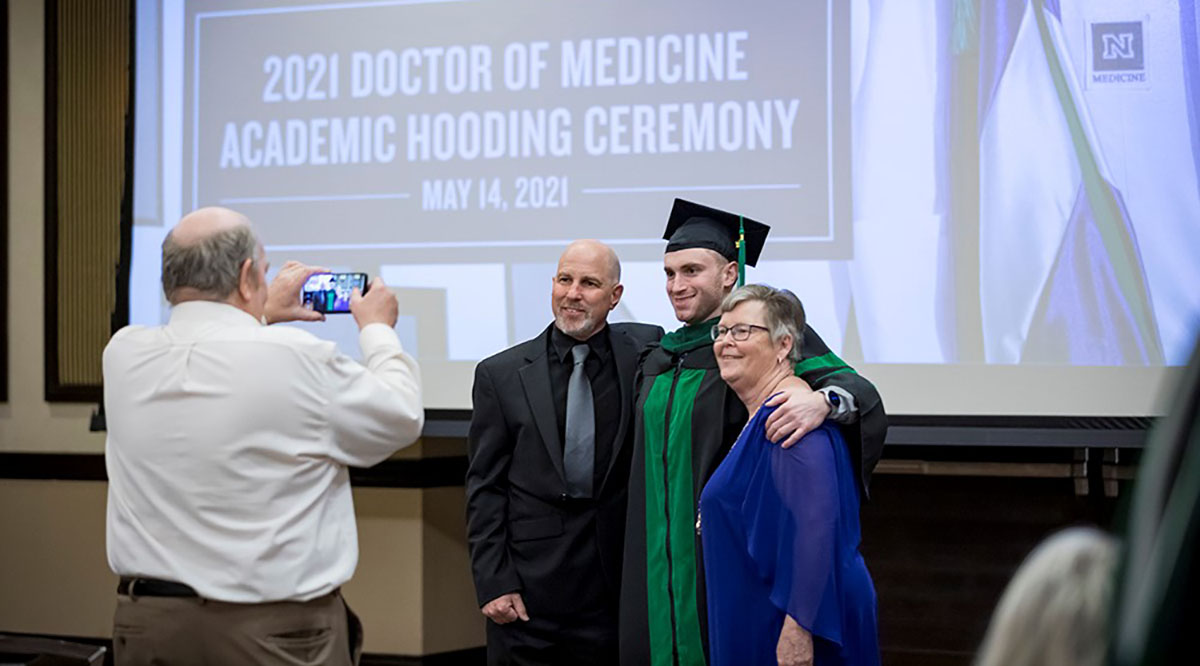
451,244
428,245
316,197
367,4
690,188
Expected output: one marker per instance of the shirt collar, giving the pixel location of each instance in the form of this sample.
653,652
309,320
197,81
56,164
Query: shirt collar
207,312
561,344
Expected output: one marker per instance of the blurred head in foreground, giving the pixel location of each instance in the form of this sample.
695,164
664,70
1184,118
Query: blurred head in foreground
1055,610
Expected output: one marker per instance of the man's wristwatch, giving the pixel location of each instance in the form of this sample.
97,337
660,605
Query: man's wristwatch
833,399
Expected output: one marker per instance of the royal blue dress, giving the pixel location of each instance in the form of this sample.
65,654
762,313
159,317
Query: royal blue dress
780,533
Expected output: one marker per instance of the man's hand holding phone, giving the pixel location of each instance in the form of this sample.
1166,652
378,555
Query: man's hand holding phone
377,306
283,294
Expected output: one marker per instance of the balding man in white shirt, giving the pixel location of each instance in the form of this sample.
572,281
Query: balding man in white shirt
230,518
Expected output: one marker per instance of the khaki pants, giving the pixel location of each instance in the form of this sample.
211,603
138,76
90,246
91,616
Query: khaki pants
201,632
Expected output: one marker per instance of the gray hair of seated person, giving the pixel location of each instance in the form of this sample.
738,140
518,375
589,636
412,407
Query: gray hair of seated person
211,266
784,312
1056,607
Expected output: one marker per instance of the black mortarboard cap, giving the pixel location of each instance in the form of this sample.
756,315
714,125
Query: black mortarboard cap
696,225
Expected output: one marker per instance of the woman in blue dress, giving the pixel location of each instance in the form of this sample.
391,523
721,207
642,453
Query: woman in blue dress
779,527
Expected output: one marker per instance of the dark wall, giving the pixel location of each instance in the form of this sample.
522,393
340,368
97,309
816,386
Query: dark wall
942,549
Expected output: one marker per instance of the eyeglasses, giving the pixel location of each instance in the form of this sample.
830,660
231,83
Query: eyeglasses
739,332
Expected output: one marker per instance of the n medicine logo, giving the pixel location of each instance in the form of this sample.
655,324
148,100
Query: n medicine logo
1117,53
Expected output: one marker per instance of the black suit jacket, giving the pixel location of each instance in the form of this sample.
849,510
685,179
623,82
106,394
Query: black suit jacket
525,535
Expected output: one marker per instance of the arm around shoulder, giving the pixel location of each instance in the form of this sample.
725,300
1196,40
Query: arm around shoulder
823,369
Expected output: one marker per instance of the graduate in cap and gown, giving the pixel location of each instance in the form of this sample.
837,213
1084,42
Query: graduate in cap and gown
686,419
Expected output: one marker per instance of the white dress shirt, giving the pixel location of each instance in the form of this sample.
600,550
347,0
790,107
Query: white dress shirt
228,445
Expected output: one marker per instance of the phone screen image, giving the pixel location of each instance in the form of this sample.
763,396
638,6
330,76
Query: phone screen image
329,293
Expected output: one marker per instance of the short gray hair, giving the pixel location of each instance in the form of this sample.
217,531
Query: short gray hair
784,312
1056,608
211,266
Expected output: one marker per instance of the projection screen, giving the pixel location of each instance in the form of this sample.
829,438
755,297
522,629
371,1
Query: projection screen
987,208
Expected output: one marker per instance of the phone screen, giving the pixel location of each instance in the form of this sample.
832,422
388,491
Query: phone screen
329,293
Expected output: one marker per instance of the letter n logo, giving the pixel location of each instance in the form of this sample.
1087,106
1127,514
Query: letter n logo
1117,46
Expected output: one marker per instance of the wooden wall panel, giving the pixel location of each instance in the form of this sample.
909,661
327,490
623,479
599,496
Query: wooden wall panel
88,49
4,158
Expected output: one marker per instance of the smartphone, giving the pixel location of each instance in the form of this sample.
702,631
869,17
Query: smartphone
329,293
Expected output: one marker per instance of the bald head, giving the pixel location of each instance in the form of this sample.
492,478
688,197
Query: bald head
595,253
204,255
204,222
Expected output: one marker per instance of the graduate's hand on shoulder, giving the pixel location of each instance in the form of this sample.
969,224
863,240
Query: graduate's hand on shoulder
506,608
800,411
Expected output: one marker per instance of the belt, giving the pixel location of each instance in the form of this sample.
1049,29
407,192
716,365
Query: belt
153,587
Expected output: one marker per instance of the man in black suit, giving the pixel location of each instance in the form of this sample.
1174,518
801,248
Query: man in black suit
549,451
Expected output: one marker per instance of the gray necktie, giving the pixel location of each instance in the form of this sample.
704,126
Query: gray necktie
580,445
